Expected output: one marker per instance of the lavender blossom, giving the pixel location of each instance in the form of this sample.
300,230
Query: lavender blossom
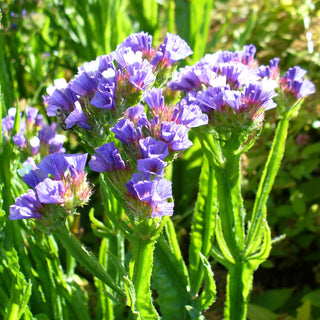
104,97
87,79
152,148
152,166
125,131
153,193
136,42
77,116
176,135
173,50
294,83
57,180
26,206
141,75
59,96
107,158
271,71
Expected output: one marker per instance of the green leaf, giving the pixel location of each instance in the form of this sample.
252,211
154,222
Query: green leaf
171,282
201,237
273,299
313,297
304,312
260,313
19,298
208,295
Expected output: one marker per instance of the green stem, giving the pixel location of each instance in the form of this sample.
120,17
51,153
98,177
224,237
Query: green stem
142,260
239,284
267,180
231,209
203,224
87,260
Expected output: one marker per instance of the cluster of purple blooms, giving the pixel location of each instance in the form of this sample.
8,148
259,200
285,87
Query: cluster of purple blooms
58,185
104,98
147,142
104,88
233,84
33,136
117,98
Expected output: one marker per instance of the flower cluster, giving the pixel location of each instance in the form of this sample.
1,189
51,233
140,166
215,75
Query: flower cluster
148,141
227,87
58,185
34,137
235,91
104,88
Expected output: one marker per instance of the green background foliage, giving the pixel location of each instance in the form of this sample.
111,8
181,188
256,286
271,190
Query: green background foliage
53,38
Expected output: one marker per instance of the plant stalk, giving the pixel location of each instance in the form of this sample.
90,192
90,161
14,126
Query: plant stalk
142,260
87,260
267,180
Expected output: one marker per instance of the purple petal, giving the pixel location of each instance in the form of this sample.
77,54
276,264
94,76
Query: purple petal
50,191
153,166
26,206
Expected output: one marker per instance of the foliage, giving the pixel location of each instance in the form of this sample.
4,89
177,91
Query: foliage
49,41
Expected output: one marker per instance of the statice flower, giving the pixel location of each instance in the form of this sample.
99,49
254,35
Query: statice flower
230,88
34,137
293,83
103,89
292,87
271,71
223,67
59,185
148,138
172,50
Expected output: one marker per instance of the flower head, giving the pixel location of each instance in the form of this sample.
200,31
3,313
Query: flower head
58,185
293,83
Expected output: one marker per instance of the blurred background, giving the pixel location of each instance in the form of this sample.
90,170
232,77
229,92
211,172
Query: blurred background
41,41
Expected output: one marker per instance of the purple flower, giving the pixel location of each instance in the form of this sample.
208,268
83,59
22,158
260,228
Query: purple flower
50,191
246,56
104,97
8,121
152,148
77,116
154,193
153,166
19,140
154,99
257,96
141,75
32,114
136,42
186,79
107,158
176,135
136,113
34,145
189,115
161,209
59,96
76,163
212,99
173,49
26,206
58,179
292,82
87,79
271,71
34,177
54,164
125,131
47,133
56,144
